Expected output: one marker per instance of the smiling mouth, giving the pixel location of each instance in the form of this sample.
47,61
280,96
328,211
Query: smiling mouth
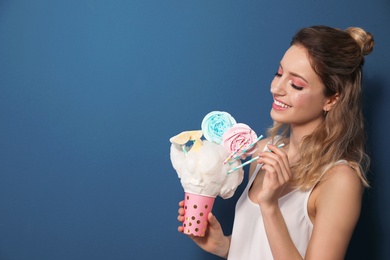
280,104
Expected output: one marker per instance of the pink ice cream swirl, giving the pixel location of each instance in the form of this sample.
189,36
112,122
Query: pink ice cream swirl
240,140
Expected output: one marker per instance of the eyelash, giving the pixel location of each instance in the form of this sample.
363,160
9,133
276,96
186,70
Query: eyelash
290,82
295,86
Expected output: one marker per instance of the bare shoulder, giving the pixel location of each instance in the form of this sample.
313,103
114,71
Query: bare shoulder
340,187
341,179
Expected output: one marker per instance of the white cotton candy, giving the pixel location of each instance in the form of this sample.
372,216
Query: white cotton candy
203,171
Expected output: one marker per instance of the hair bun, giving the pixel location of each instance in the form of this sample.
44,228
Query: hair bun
364,39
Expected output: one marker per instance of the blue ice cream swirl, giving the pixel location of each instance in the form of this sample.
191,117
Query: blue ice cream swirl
214,125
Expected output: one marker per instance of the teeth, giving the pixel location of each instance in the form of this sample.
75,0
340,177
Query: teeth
280,104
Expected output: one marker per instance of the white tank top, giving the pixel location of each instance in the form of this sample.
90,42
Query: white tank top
249,240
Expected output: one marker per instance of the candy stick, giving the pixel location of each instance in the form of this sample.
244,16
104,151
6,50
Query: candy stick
252,144
249,147
242,165
184,149
249,161
279,146
235,152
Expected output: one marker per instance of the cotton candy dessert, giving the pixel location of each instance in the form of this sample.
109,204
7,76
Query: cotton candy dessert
208,163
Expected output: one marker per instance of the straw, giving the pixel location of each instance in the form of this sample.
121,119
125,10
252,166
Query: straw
235,152
242,165
184,149
249,147
249,161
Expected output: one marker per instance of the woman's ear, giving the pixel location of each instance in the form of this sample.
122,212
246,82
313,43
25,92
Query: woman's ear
331,102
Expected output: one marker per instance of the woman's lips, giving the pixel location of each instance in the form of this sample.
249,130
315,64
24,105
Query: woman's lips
278,105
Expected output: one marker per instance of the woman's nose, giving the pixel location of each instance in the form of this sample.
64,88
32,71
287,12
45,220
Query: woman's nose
278,86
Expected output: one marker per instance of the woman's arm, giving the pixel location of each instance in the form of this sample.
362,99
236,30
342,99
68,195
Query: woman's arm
276,177
336,201
337,209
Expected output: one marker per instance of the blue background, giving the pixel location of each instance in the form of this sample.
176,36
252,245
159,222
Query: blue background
92,90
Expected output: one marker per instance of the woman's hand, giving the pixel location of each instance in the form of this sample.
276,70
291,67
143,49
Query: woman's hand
277,174
214,241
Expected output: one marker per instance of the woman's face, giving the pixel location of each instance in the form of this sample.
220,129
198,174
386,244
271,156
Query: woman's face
297,91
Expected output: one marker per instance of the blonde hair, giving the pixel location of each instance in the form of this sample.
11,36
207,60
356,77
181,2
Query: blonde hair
337,56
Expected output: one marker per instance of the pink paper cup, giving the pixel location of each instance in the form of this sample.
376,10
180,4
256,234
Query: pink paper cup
197,208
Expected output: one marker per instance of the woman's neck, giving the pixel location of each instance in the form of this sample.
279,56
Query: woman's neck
297,133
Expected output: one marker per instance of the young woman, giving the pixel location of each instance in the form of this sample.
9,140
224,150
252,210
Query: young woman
303,200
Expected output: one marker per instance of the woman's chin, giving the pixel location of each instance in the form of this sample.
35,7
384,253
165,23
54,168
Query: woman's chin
277,117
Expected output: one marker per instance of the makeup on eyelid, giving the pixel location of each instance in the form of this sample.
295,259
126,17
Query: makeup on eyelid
296,82
297,86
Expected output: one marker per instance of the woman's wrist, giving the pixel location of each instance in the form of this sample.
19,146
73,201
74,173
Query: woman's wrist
269,209
223,247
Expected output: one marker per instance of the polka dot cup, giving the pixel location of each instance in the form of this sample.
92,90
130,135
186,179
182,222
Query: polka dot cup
197,208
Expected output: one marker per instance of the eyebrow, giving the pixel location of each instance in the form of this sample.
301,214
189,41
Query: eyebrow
296,75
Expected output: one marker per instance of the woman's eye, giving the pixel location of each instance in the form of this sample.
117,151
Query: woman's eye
277,74
295,86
